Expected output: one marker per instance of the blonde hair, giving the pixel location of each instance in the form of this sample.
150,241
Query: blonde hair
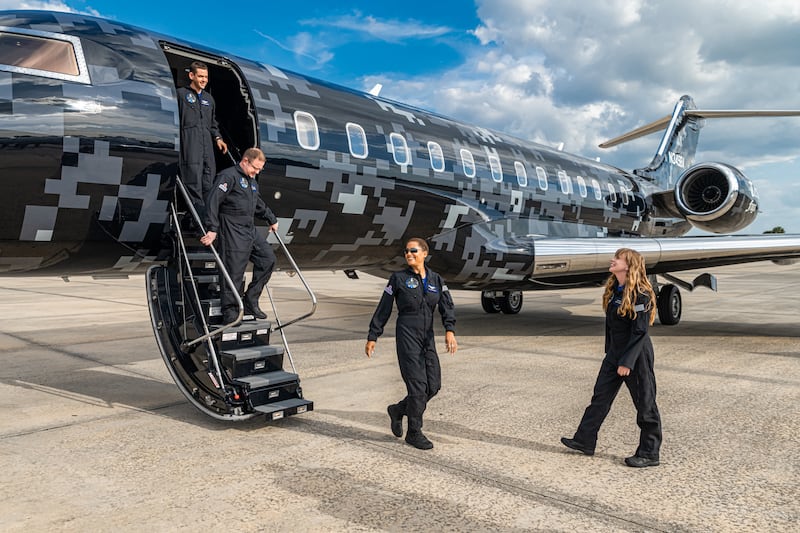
635,284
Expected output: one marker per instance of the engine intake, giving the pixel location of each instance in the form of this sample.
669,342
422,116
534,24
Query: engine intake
716,197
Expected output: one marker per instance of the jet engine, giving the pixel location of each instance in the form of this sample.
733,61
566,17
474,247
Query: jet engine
716,197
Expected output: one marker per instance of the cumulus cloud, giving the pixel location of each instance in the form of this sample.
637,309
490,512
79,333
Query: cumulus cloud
580,73
52,5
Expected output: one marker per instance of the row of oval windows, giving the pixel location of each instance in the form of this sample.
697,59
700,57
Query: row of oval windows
308,137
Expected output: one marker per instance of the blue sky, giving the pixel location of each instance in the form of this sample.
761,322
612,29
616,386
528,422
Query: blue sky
547,70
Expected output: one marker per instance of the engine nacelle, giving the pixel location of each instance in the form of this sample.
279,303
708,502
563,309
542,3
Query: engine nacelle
716,197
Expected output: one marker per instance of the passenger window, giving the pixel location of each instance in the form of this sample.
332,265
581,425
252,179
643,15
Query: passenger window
437,156
357,139
43,53
496,168
563,181
612,193
467,163
623,191
581,186
542,177
598,192
399,148
522,174
307,131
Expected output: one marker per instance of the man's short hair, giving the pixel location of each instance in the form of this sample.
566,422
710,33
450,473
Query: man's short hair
197,65
254,154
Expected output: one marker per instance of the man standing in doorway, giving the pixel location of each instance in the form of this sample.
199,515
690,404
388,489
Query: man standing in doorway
231,205
199,134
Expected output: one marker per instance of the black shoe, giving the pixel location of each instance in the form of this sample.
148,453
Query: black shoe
640,462
418,440
397,420
227,317
251,308
575,445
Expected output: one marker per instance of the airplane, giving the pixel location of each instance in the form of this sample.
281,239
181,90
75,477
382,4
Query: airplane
89,145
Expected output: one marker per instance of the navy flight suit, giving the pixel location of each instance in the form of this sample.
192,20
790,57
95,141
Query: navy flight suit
232,203
199,131
627,344
416,352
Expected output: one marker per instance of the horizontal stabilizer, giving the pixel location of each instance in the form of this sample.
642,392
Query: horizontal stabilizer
659,124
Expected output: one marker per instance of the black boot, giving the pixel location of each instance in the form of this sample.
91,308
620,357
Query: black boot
418,440
252,308
396,420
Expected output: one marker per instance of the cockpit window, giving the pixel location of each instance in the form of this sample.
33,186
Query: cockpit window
42,53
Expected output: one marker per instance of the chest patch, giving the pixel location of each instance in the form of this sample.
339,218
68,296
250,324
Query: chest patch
191,98
412,283
243,183
433,289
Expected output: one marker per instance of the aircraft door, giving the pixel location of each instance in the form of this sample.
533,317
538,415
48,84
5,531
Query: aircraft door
235,112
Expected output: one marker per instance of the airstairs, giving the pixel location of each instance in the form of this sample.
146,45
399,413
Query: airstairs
235,371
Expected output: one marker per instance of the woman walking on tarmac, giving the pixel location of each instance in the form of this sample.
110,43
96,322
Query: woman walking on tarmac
629,303
417,291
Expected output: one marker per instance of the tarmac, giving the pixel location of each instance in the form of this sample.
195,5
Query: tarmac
95,436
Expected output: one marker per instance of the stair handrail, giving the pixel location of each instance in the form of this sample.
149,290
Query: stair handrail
220,266
218,380
279,327
310,292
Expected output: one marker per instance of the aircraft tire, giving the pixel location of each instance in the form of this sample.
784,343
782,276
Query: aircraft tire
490,303
510,302
669,305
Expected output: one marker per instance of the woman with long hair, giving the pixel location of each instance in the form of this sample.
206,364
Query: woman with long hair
629,303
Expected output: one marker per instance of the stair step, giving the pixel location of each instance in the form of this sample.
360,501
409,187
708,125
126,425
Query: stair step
249,331
267,380
207,278
278,410
242,362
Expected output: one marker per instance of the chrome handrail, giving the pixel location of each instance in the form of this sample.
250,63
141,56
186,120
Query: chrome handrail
211,350
305,284
280,326
220,266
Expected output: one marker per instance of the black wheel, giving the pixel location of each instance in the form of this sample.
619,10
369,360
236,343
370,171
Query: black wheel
669,305
511,302
489,303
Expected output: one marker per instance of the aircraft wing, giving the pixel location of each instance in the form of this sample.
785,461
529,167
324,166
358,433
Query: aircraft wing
584,256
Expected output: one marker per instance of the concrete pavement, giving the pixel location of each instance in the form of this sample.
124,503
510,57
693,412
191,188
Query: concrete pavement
95,436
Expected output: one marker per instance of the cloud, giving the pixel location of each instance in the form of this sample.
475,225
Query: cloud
303,45
380,30
52,5
580,73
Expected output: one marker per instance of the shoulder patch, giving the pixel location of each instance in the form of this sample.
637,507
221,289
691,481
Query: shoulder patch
389,290
639,308
223,186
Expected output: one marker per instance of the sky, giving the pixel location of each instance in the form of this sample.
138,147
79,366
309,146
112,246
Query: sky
551,71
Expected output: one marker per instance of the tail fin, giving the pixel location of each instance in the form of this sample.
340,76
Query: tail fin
679,144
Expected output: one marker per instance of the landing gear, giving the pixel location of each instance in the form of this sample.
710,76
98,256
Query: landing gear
669,305
489,302
509,302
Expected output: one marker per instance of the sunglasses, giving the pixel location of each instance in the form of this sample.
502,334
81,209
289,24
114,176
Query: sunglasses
411,250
